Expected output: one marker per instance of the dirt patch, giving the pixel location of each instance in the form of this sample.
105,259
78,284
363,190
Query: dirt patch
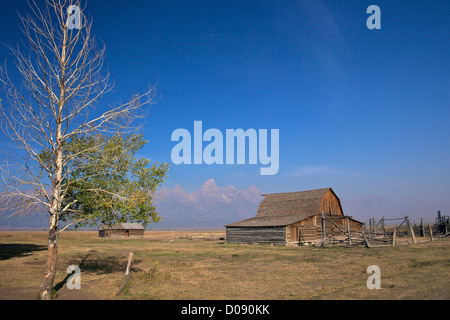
19,293
32,293
76,294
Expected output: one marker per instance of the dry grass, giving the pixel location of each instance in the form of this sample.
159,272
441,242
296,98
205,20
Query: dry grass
199,265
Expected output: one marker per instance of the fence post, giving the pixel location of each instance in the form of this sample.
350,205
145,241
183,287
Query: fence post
323,227
374,228
411,231
130,258
407,225
431,232
348,232
365,239
393,236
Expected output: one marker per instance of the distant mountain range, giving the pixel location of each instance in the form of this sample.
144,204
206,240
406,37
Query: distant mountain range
210,206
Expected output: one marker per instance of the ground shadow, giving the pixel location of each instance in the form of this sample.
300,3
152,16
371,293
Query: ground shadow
98,264
17,250
59,285
102,264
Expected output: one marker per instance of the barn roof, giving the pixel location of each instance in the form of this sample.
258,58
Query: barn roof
302,203
121,226
282,209
268,221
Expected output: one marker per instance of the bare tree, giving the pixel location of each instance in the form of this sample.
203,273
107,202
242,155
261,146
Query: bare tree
63,80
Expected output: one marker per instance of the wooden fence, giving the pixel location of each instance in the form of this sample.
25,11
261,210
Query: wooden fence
385,231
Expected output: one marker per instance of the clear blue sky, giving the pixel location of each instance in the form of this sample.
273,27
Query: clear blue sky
365,112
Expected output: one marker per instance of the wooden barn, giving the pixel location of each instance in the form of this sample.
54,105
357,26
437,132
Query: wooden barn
121,230
295,218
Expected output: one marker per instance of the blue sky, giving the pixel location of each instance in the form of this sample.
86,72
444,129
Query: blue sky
363,111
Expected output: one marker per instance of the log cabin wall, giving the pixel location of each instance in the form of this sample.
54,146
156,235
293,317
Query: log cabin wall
268,235
136,233
121,230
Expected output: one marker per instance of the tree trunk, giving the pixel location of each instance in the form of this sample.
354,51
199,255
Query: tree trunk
50,267
52,253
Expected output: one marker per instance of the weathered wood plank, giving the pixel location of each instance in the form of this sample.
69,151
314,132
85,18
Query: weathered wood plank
276,235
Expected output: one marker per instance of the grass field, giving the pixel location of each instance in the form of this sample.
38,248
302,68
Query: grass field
200,265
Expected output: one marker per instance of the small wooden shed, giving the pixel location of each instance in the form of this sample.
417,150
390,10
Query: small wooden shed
121,230
294,218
